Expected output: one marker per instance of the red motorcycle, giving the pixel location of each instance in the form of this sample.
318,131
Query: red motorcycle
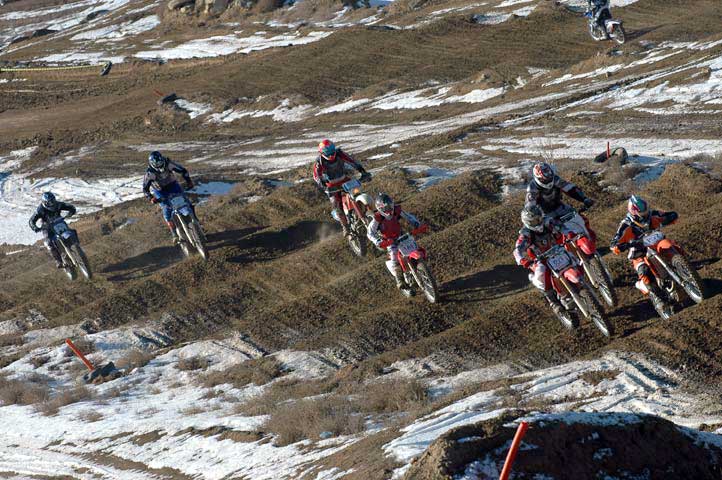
358,207
672,270
585,249
568,281
412,259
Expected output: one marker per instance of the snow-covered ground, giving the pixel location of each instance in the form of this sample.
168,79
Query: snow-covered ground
156,415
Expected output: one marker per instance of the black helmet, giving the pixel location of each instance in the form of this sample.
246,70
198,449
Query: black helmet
157,161
49,201
384,204
533,218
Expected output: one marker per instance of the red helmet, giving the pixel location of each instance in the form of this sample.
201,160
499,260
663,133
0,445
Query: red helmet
543,175
327,150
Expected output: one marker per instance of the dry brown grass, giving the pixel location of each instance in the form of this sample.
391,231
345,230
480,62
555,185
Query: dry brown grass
136,358
39,361
302,409
64,397
195,362
28,390
84,345
11,339
90,416
258,371
309,418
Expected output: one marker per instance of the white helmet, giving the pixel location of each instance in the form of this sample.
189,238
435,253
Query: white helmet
533,218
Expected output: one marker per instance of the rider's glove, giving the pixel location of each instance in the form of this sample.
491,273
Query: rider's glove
526,263
153,200
616,250
588,202
386,243
189,184
365,176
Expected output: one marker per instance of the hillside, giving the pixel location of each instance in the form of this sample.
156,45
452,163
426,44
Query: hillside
285,356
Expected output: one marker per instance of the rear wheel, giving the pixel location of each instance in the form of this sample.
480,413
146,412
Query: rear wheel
603,281
426,281
595,313
691,282
81,260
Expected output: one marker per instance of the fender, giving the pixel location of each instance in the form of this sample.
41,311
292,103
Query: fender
587,245
365,198
418,254
574,275
664,245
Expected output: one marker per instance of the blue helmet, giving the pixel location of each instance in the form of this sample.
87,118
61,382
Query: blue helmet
156,161
49,201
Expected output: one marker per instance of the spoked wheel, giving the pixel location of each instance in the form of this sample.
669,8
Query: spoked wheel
65,256
81,260
357,239
181,231
426,281
569,321
618,35
605,286
595,313
197,234
663,308
691,282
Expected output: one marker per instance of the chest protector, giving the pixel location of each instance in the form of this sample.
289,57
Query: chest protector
390,227
543,241
333,170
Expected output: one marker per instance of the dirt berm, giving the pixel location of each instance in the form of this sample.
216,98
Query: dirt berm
574,446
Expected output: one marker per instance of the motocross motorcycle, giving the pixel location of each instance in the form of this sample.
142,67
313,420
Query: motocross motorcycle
358,207
613,29
673,273
569,282
187,226
586,252
73,257
412,259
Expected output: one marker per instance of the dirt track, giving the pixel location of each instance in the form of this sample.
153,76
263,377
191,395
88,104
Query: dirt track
279,271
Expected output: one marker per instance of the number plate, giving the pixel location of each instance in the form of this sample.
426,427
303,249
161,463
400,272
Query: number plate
178,202
558,262
351,185
653,239
407,246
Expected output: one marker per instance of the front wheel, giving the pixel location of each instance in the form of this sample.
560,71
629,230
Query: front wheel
603,281
618,34
197,236
81,260
426,281
595,313
691,282
357,239
663,308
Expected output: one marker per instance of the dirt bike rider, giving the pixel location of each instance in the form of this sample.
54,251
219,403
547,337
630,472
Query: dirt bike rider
545,190
601,12
539,234
329,173
385,228
49,210
160,176
639,221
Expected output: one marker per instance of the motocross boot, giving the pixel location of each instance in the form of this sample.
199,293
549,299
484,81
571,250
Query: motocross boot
554,302
174,233
401,284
